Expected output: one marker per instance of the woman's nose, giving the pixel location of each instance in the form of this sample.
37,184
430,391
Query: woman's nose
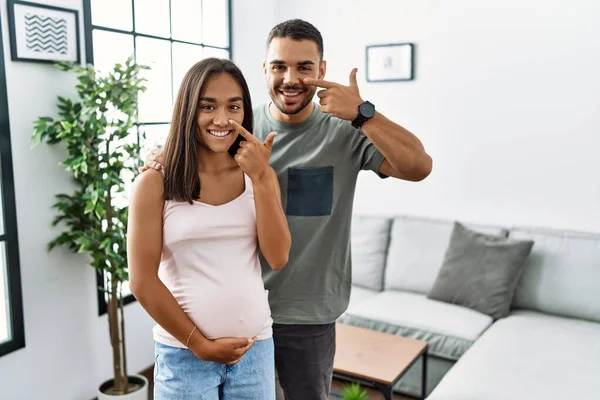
221,118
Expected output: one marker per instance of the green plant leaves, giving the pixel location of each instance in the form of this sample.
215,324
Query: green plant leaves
93,128
354,391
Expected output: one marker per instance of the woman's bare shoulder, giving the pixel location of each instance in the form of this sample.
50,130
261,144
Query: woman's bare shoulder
149,183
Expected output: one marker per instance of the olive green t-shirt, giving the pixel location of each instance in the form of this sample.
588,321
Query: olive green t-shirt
317,162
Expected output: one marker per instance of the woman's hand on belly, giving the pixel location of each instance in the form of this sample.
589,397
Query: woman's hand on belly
223,351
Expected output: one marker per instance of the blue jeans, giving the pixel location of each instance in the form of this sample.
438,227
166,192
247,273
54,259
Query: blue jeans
180,375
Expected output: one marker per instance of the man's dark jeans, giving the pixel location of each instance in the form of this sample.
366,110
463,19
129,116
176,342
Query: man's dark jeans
304,360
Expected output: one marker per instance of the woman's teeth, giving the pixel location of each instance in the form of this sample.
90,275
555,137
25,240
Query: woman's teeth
219,133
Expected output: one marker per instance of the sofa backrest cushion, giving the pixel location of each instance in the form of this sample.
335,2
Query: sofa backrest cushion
370,238
562,274
417,249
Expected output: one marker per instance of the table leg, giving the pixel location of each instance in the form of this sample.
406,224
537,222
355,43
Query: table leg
386,390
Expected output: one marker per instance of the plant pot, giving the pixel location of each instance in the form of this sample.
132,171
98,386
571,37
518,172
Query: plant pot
137,383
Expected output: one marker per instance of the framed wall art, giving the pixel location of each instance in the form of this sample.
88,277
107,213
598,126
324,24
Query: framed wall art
390,62
43,33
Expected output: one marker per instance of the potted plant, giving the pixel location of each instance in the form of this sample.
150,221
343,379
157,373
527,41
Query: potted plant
95,130
353,391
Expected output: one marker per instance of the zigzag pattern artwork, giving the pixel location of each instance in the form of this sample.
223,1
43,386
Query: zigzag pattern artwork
46,34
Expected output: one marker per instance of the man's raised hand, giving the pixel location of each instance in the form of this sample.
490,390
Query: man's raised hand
336,99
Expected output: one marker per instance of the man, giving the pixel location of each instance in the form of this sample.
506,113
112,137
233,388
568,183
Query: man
318,153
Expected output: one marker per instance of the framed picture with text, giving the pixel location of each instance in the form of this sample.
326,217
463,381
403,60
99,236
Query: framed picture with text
42,33
390,62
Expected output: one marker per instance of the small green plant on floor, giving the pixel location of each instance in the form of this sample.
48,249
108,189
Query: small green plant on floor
354,391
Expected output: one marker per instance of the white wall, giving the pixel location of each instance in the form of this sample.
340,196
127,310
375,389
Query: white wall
505,100
67,351
252,21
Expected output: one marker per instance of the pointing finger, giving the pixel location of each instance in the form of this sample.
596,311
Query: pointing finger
242,131
320,83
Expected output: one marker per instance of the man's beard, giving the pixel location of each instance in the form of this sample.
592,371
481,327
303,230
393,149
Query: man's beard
308,96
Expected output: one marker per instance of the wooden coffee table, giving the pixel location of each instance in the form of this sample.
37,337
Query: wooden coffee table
376,359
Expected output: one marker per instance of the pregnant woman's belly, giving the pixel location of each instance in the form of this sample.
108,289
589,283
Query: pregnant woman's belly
229,309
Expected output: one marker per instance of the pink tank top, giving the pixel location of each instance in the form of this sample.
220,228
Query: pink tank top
210,264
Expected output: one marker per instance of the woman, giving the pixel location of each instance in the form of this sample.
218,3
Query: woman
193,240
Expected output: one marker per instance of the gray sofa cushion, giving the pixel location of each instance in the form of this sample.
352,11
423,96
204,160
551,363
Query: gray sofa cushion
528,356
370,239
562,275
416,252
481,271
449,329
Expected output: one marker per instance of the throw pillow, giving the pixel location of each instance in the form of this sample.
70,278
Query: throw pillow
481,271
370,237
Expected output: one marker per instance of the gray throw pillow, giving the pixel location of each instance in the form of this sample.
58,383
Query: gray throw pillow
481,271
370,239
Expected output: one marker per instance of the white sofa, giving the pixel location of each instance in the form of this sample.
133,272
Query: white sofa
547,348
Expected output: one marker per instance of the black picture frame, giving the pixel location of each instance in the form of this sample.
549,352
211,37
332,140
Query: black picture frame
47,40
394,62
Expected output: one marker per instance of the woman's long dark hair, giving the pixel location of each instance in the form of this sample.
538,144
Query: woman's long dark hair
181,148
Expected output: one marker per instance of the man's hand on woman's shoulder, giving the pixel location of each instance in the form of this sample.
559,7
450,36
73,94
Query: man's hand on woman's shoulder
154,160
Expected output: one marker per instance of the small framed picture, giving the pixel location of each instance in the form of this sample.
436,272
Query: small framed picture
390,62
42,33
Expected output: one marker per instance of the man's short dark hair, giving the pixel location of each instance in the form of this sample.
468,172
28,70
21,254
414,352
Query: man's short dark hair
297,29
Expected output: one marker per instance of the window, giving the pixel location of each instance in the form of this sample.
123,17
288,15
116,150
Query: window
12,335
168,35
